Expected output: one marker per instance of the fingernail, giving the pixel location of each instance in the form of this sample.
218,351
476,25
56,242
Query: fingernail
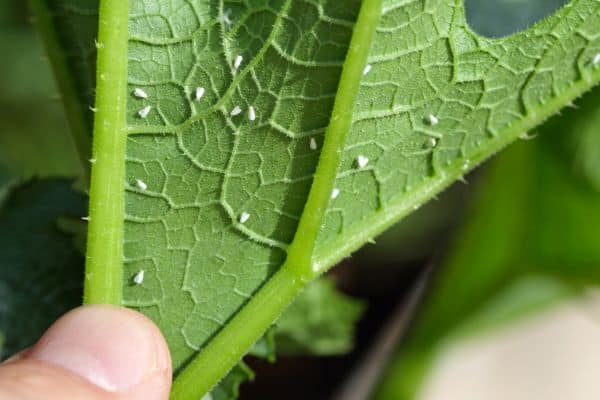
114,348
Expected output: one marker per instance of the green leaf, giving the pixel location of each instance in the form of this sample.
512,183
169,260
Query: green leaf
522,249
32,119
229,387
40,269
68,30
320,322
215,283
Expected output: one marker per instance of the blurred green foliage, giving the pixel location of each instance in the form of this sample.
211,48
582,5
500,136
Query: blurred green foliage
34,136
319,322
41,271
532,238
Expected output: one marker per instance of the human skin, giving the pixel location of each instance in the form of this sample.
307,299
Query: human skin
94,352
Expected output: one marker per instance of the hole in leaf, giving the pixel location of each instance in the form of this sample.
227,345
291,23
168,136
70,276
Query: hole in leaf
497,18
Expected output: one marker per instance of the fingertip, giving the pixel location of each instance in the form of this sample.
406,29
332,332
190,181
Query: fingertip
114,348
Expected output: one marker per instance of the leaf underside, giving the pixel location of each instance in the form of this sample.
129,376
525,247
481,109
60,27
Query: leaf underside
202,167
40,268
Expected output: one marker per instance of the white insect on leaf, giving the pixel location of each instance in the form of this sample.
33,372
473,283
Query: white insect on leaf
236,111
362,161
313,143
237,62
433,120
335,193
199,93
85,218
251,113
432,142
143,113
244,217
140,93
138,278
527,136
141,184
367,69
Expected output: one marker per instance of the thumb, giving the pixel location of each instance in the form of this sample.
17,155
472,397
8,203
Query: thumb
93,352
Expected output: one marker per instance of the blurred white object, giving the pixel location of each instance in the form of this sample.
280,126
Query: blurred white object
554,355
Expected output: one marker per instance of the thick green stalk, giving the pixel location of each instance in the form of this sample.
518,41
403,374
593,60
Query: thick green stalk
301,250
104,266
233,341
249,324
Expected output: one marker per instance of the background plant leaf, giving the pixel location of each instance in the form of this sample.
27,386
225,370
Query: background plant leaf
34,139
320,321
75,26
41,271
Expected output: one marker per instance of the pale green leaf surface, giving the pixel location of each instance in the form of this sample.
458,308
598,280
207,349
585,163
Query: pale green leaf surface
68,30
229,387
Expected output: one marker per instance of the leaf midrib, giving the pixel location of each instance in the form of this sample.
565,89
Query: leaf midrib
246,327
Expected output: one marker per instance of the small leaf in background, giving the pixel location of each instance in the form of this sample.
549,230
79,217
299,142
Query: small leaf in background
321,321
41,272
229,387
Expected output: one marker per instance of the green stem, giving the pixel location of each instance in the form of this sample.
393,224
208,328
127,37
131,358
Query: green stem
249,324
104,267
75,110
234,340
302,248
